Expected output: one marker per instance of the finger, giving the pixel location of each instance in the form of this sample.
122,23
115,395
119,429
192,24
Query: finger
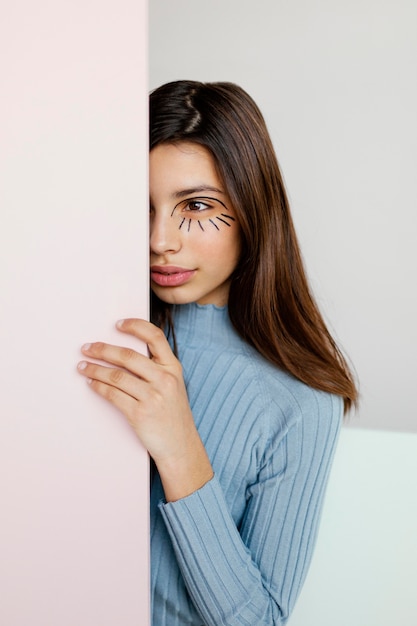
126,358
115,377
125,403
153,336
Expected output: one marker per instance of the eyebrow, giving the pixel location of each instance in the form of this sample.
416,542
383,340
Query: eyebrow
199,189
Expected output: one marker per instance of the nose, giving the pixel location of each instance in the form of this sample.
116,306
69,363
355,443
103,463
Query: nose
164,235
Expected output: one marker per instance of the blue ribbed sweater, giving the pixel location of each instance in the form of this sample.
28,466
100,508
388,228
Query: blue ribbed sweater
236,551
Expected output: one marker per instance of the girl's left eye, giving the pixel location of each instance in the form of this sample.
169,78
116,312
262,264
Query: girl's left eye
192,208
196,205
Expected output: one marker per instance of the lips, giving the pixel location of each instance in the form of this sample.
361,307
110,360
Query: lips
170,276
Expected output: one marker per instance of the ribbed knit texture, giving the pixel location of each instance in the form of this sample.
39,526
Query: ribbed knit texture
236,551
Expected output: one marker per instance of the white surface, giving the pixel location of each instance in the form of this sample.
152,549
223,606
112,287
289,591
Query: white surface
336,82
73,239
364,569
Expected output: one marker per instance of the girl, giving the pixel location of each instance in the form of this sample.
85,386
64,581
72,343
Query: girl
240,402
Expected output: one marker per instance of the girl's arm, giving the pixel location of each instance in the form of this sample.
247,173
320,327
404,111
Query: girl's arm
151,393
235,576
253,573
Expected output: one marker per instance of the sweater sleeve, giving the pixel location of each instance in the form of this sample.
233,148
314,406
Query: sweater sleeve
252,574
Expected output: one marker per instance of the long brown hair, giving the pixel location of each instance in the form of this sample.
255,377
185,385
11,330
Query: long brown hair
270,302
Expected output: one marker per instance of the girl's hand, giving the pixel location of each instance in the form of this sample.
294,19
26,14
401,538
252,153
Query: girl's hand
151,393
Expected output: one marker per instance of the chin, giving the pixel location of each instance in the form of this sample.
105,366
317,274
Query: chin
173,298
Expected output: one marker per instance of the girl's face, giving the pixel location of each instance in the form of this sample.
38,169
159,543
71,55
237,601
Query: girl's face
194,233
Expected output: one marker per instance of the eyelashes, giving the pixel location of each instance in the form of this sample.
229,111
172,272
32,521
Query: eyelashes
202,213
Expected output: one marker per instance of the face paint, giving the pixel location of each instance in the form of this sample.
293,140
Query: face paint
204,212
195,238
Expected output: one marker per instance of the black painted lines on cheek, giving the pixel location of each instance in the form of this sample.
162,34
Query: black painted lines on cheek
216,222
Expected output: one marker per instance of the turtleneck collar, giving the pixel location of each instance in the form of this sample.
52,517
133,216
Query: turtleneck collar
199,325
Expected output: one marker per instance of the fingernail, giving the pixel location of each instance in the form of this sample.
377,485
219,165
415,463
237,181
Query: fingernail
120,323
86,346
82,365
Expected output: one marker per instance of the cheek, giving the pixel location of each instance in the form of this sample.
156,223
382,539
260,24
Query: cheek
220,250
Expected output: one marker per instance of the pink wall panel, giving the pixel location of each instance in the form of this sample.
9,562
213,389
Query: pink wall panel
73,241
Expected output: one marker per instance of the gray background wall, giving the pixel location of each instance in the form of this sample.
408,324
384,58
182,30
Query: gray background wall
336,83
